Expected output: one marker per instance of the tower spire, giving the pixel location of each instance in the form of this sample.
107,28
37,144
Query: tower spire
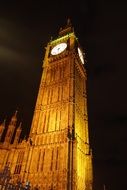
66,29
14,118
69,22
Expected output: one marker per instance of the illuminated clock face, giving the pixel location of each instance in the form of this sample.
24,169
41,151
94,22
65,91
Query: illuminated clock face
59,48
81,55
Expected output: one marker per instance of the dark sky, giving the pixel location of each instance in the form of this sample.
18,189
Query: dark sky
101,27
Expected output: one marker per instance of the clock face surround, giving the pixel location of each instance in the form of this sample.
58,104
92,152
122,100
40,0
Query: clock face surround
59,48
81,55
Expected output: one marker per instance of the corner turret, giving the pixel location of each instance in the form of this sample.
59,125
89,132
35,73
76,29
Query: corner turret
11,129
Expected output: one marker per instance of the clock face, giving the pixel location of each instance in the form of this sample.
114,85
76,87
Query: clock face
59,48
81,55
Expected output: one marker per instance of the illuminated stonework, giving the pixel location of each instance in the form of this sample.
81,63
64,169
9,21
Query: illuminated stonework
56,155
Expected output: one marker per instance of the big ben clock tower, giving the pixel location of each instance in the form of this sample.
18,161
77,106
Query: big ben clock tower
59,156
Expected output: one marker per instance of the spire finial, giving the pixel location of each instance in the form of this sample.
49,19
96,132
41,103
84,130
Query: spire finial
16,112
68,22
14,117
20,125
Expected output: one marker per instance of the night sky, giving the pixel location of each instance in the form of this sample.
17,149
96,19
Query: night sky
101,27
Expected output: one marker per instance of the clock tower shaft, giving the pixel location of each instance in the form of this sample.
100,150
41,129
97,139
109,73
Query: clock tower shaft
59,132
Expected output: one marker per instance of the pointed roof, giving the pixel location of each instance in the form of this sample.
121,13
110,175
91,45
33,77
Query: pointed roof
20,126
14,117
67,29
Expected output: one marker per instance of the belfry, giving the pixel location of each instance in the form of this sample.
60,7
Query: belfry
57,154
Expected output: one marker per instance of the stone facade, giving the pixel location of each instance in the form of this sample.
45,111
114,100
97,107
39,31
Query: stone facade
57,154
